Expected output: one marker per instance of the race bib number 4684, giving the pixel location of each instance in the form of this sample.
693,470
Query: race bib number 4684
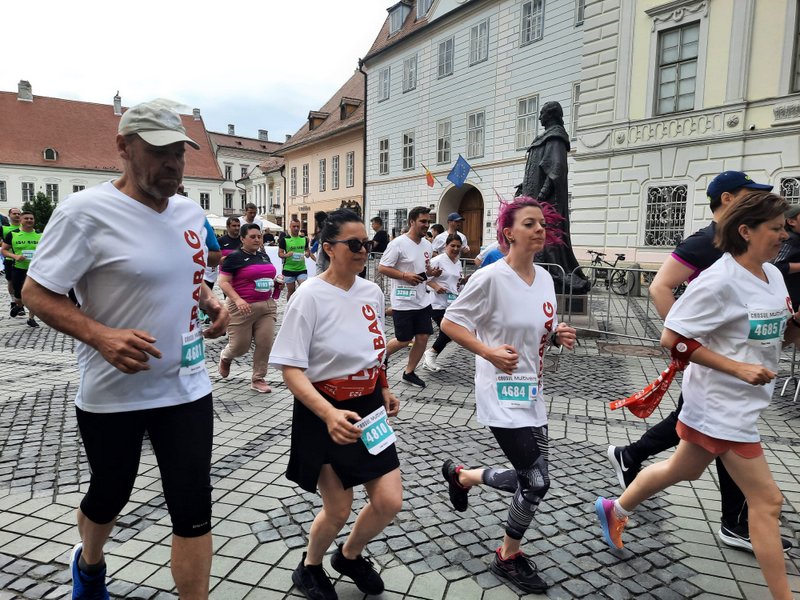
517,391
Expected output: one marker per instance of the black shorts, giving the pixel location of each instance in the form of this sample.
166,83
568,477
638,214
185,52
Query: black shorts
18,277
8,266
313,447
181,437
408,323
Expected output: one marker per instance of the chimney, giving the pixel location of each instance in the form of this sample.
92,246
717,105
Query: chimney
25,91
231,129
263,135
288,137
196,114
118,104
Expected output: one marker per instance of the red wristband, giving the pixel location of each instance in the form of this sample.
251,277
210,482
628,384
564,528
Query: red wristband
683,348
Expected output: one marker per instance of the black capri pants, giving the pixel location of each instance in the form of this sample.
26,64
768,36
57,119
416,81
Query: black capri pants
181,437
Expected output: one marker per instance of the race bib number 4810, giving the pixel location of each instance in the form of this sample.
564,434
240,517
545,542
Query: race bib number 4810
376,433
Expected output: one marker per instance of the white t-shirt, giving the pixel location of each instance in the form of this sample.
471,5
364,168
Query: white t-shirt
501,308
212,274
451,273
332,333
256,221
405,255
439,241
94,243
734,313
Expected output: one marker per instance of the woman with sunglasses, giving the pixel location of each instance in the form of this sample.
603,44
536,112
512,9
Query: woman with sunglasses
248,278
340,433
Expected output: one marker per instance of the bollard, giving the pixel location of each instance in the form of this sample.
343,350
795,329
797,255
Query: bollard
636,290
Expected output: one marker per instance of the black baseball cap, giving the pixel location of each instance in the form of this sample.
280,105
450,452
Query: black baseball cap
727,181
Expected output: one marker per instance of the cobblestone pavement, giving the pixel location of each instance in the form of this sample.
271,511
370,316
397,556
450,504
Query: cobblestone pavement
261,519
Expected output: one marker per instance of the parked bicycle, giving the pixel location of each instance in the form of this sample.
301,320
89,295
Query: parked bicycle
617,280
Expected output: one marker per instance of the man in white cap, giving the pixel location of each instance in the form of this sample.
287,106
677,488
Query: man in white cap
453,221
140,350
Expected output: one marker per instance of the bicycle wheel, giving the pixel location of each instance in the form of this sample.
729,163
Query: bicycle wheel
621,282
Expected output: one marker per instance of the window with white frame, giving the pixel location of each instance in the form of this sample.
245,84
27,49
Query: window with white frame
580,8
400,219
335,172
3,192
229,200
396,19
677,68
28,192
527,119
278,194
205,200
443,129
576,103
293,181
305,179
351,169
408,150
384,80
323,163
790,190
479,42
423,6
383,156
50,154
229,172
51,190
410,73
243,200
445,64
476,126
78,188
244,171
665,215
532,27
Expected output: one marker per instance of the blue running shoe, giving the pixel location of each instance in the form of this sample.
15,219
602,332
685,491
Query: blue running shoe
85,587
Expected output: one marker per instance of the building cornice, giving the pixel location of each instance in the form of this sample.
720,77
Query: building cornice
288,149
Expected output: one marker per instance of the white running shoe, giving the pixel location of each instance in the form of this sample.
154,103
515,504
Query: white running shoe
430,360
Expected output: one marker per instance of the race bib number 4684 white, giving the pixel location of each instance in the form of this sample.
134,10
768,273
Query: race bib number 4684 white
517,390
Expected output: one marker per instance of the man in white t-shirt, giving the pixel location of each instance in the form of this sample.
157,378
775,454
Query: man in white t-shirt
249,216
140,350
454,220
407,262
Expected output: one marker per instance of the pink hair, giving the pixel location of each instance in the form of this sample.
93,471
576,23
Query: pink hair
508,210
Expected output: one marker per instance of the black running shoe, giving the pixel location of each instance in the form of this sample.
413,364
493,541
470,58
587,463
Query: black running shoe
739,537
519,570
360,570
625,469
413,379
32,323
458,493
15,310
313,582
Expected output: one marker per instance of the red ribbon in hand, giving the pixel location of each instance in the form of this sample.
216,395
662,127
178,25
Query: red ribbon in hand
644,402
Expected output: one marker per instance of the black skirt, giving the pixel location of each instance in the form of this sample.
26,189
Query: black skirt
313,447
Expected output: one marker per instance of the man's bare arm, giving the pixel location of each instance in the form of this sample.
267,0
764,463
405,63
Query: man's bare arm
671,274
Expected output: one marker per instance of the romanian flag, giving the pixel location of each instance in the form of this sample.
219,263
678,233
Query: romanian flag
428,177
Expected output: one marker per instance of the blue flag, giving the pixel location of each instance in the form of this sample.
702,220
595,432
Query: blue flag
458,174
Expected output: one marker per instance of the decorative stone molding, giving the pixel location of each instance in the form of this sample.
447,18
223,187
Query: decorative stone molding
676,12
679,128
786,113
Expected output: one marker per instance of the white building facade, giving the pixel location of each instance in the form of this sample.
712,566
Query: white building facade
463,78
673,93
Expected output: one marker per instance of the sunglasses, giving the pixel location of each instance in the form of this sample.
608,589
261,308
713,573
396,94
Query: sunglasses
355,245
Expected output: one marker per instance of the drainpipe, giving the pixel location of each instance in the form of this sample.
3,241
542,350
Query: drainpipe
364,182
283,176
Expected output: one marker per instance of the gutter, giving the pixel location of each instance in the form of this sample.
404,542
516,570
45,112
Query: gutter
283,176
364,167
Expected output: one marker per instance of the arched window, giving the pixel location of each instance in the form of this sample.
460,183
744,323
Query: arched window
50,154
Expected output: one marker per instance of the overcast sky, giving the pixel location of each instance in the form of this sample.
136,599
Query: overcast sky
256,64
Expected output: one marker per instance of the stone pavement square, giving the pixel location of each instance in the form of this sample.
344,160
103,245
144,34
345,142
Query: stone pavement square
262,520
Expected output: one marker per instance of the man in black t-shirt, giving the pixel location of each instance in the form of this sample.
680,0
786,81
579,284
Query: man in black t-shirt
788,259
230,241
381,238
692,256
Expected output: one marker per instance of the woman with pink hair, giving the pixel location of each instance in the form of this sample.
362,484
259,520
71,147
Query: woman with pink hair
506,316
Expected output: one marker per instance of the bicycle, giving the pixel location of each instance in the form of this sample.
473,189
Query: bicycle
618,281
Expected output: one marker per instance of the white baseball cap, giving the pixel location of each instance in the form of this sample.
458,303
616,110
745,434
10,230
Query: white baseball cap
156,123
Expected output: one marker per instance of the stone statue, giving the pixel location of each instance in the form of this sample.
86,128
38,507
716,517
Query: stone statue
546,179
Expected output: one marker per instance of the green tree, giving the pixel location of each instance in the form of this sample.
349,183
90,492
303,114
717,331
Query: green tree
42,208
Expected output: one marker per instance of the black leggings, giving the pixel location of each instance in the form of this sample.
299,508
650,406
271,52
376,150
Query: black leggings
527,448
663,436
181,437
438,314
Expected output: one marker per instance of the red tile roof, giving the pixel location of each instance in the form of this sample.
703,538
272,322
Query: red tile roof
410,25
243,143
353,89
273,163
82,133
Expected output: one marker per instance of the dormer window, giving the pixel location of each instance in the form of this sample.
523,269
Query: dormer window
397,15
347,106
423,6
316,118
50,154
